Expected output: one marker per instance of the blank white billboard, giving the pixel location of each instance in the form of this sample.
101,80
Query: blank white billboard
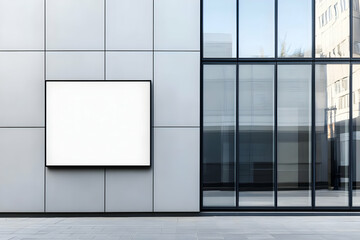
98,123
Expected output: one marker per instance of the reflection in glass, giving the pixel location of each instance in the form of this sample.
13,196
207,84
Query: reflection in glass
294,19
256,134
294,138
356,134
356,28
219,26
219,121
332,135
332,28
256,28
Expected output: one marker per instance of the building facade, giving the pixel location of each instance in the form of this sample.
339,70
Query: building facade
254,103
95,40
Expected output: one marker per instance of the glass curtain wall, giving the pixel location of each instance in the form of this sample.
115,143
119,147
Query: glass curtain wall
219,38
294,19
280,104
219,138
256,39
355,104
332,134
256,135
294,135
356,28
332,33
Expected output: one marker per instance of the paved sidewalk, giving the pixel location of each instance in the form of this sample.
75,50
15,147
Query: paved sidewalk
186,228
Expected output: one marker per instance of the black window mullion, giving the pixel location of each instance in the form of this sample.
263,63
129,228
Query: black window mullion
275,166
351,142
276,29
237,136
201,105
313,24
237,108
275,136
275,106
313,136
351,28
313,99
350,170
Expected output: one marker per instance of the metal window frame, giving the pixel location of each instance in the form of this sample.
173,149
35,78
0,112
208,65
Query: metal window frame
313,60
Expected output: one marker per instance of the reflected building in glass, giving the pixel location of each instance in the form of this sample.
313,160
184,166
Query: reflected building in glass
280,104
332,33
332,134
355,103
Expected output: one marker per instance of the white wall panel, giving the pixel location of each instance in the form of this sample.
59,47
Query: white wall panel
22,24
177,24
74,66
75,24
129,24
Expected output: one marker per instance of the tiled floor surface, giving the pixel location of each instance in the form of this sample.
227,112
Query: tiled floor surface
186,228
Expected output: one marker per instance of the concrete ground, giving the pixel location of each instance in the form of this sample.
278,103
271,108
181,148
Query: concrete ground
187,228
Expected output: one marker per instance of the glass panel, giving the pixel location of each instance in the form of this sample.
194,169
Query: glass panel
294,135
219,28
256,28
294,41
356,28
332,135
356,134
256,135
332,28
219,135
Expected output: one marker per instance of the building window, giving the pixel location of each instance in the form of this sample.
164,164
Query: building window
276,113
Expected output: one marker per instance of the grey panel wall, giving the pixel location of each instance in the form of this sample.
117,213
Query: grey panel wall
74,66
21,170
75,24
177,89
100,40
21,106
177,105
129,190
176,169
177,25
74,190
22,25
129,65
130,18
22,89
